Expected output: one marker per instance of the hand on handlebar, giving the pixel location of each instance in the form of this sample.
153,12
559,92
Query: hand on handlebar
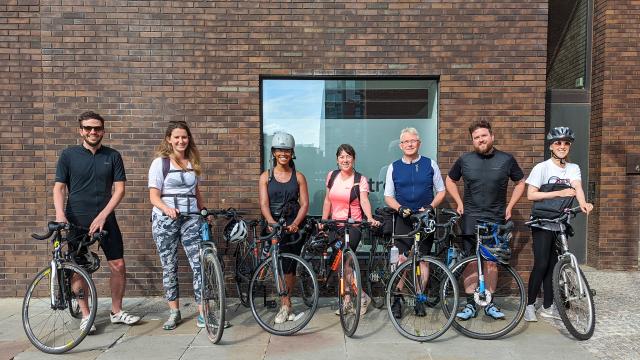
171,212
293,228
404,211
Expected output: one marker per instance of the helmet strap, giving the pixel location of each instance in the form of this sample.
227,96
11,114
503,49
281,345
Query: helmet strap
562,161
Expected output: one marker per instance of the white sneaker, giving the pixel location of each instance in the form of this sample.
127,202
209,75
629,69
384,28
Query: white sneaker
530,313
283,314
364,303
550,313
83,325
124,318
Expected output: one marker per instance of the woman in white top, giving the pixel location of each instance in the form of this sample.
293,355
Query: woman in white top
555,170
173,189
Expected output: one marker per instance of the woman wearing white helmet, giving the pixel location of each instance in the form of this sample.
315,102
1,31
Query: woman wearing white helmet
284,193
555,170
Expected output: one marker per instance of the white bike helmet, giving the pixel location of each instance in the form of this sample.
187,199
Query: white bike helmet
235,231
283,140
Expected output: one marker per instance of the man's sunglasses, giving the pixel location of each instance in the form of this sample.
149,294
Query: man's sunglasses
89,128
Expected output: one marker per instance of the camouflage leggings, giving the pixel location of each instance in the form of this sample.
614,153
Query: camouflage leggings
167,233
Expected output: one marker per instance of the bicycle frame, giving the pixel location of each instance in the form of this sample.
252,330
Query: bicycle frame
481,284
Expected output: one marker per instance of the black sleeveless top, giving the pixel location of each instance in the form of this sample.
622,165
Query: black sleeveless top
283,198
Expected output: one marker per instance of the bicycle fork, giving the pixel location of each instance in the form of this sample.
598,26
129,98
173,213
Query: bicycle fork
481,296
574,265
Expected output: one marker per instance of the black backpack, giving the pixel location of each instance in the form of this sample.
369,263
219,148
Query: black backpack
355,190
552,208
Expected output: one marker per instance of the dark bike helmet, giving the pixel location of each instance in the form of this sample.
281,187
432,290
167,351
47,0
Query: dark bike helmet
90,261
235,231
561,133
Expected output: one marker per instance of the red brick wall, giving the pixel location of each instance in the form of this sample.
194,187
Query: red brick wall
615,133
143,63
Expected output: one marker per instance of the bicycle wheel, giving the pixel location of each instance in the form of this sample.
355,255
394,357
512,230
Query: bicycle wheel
422,317
576,309
378,274
350,294
51,327
246,262
305,278
265,300
74,305
509,296
212,295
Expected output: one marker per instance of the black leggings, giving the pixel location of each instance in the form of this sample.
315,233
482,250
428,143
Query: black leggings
545,257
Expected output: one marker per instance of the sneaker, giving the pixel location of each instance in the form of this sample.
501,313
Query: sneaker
200,322
550,313
83,325
364,303
530,313
396,307
493,311
469,311
419,309
124,318
347,308
173,321
283,314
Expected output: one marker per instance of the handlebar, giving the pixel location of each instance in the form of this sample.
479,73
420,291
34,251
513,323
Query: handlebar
53,227
347,222
228,213
567,213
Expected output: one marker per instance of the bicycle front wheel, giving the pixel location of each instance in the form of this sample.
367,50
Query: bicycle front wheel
508,297
418,296
378,274
212,295
576,309
350,293
49,322
266,302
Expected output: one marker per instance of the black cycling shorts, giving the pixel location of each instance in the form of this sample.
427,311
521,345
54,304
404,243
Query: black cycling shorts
112,245
404,226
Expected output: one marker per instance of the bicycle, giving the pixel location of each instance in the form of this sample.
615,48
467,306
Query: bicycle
344,263
509,291
52,314
268,286
378,266
445,240
571,292
425,285
247,255
212,290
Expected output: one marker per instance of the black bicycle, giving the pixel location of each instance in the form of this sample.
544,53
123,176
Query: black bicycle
269,287
247,258
60,304
571,292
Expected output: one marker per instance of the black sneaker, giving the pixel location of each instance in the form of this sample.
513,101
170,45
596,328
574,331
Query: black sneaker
419,309
396,307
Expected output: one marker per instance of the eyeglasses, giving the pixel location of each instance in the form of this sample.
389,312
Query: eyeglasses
407,142
559,142
89,128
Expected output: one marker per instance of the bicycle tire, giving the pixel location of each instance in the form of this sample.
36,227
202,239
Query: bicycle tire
565,288
212,295
512,303
408,325
262,289
349,319
244,265
35,305
305,279
378,274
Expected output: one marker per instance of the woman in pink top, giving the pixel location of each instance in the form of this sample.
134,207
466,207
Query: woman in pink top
339,204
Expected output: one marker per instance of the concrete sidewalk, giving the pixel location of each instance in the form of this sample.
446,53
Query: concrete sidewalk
321,339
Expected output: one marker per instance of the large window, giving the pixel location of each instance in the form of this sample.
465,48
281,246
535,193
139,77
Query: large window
368,114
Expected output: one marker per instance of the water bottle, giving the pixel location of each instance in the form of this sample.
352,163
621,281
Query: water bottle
394,256
452,255
338,245
265,250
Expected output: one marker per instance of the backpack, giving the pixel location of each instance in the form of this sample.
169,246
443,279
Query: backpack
355,190
166,165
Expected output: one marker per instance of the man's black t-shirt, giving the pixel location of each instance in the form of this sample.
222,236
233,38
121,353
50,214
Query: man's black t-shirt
486,178
89,179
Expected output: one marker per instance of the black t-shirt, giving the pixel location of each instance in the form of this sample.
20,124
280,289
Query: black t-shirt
486,178
89,179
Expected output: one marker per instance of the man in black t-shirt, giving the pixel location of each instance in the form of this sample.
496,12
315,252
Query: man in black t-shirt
486,173
85,176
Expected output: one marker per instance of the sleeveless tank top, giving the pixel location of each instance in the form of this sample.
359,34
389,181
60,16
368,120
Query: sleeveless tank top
283,198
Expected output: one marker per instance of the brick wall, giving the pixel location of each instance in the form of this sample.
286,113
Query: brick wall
143,63
615,133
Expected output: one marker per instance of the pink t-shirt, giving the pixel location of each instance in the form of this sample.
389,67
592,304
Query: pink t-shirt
340,194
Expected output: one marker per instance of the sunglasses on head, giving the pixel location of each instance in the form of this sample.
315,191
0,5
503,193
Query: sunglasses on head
89,128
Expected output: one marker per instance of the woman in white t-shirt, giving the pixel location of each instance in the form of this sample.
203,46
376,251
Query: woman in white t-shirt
173,189
555,170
